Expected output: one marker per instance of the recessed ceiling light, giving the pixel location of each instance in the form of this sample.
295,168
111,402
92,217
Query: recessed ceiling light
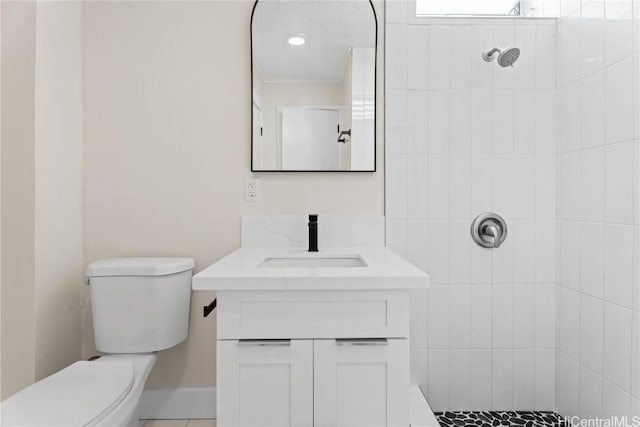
296,40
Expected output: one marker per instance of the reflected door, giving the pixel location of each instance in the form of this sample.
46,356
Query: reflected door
309,138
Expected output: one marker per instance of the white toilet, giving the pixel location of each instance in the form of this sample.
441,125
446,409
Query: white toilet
140,306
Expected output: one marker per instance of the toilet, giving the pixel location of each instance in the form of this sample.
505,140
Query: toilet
140,306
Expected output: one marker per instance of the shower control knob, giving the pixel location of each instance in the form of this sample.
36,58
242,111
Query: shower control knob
489,230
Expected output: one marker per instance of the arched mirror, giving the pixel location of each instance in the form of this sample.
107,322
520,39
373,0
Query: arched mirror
313,65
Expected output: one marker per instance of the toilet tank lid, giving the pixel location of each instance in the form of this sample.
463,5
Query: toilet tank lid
139,266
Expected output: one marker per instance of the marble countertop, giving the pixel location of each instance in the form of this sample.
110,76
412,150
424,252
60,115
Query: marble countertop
240,270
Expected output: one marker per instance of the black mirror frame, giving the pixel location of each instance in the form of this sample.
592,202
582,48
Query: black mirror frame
375,101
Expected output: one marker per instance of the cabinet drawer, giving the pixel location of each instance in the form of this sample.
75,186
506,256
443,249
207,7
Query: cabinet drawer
313,314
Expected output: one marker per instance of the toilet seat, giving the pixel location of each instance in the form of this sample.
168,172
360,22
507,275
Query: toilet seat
80,395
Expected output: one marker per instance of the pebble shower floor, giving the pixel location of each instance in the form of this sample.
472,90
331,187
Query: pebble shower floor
499,418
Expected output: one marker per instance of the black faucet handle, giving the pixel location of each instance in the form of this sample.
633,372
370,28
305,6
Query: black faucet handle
313,217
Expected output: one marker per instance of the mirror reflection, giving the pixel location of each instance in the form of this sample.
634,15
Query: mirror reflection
313,85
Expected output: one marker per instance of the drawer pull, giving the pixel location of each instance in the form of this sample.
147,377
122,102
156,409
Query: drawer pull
361,341
264,343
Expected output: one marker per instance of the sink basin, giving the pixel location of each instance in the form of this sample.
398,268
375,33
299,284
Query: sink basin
326,261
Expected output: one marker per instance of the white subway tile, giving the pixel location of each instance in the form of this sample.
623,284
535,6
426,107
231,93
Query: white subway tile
524,259
418,324
569,45
481,316
569,323
417,243
545,187
617,345
592,32
460,135
545,379
570,254
396,54
503,122
592,259
635,354
615,401
438,244
417,184
591,330
417,57
546,46
525,122
524,182
459,271
568,386
417,121
502,315
545,316
481,122
618,30
523,379
618,264
459,316
590,394
569,110
459,379
438,191
545,118
502,380
439,122
524,316
480,380
396,187
592,185
396,122
592,111
545,252
438,317
525,72
461,187
418,368
438,380
569,170
503,190
439,52
396,236
460,39
619,101
619,183
481,184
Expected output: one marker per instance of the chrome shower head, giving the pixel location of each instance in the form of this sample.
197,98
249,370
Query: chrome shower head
506,56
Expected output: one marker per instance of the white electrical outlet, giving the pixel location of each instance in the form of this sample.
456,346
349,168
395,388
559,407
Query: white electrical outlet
252,190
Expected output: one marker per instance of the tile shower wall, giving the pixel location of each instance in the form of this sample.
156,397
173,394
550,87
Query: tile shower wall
463,137
598,369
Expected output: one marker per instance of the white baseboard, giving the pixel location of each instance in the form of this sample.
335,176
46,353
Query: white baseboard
178,403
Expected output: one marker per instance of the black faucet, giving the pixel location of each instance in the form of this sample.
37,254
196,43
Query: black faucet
313,233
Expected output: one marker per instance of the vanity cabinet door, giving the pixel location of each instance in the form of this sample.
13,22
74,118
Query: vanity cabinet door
361,382
265,383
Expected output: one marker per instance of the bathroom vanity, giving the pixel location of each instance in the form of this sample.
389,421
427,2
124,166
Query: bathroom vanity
312,339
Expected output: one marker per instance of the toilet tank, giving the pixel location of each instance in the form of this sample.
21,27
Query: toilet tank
140,305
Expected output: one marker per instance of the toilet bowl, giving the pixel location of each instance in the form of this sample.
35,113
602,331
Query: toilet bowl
140,306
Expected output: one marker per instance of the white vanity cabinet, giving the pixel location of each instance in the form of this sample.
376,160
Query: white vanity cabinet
313,358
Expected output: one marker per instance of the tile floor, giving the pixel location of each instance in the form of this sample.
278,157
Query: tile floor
177,423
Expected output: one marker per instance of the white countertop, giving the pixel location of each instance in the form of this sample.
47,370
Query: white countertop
240,270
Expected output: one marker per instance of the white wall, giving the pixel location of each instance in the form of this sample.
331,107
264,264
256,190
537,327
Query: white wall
599,192
167,148
464,136
41,190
